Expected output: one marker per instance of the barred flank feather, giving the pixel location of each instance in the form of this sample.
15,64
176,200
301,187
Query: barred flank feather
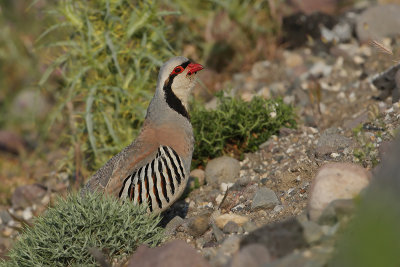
156,182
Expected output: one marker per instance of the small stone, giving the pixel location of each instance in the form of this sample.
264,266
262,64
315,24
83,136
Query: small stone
7,232
218,234
223,219
253,255
175,253
172,225
222,170
278,208
231,227
27,214
336,181
249,227
199,225
230,245
11,142
5,217
320,69
264,198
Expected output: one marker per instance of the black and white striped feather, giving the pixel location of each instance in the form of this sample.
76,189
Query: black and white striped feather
157,183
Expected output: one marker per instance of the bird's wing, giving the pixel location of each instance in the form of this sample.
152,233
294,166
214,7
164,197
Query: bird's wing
158,183
109,177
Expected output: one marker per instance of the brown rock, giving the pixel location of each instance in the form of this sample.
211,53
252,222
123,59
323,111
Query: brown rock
11,142
27,195
199,224
336,181
175,253
223,219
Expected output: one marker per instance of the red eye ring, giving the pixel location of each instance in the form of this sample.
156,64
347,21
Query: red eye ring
177,70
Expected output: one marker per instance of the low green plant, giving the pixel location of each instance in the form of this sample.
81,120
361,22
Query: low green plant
66,232
366,153
108,59
236,126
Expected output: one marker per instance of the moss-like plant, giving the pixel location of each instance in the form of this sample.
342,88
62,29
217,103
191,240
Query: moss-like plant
66,232
236,126
109,60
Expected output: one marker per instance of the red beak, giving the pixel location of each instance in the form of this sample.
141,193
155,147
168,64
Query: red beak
194,67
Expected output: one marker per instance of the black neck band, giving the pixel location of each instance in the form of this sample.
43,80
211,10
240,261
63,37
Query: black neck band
172,100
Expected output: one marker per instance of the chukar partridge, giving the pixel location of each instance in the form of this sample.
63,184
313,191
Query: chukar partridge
155,167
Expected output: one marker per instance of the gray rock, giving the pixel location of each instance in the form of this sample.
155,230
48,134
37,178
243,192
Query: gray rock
218,234
280,238
377,22
5,217
249,226
222,170
312,231
230,227
331,141
170,228
175,253
253,255
264,198
199,224
27,195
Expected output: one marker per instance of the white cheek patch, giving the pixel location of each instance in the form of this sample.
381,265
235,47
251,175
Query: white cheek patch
181,87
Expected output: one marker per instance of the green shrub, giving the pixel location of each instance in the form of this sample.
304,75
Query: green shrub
109,59
237,126
63,235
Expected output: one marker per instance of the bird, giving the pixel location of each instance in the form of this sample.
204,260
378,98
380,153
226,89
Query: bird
154,168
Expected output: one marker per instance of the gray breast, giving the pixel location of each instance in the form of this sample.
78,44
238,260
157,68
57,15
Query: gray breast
158,183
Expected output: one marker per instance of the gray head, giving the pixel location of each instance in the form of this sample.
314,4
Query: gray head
175,81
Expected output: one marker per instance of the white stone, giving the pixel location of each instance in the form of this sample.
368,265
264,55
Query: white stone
336,181
223,219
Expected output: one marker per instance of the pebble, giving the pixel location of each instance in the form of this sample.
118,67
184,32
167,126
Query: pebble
170,228
223,219
5,217
264,198
231,227
222,170
218,234
199,225
335,181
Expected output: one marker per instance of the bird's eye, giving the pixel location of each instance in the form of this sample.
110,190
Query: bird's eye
177,70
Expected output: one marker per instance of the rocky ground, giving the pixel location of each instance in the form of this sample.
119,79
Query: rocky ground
285,204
